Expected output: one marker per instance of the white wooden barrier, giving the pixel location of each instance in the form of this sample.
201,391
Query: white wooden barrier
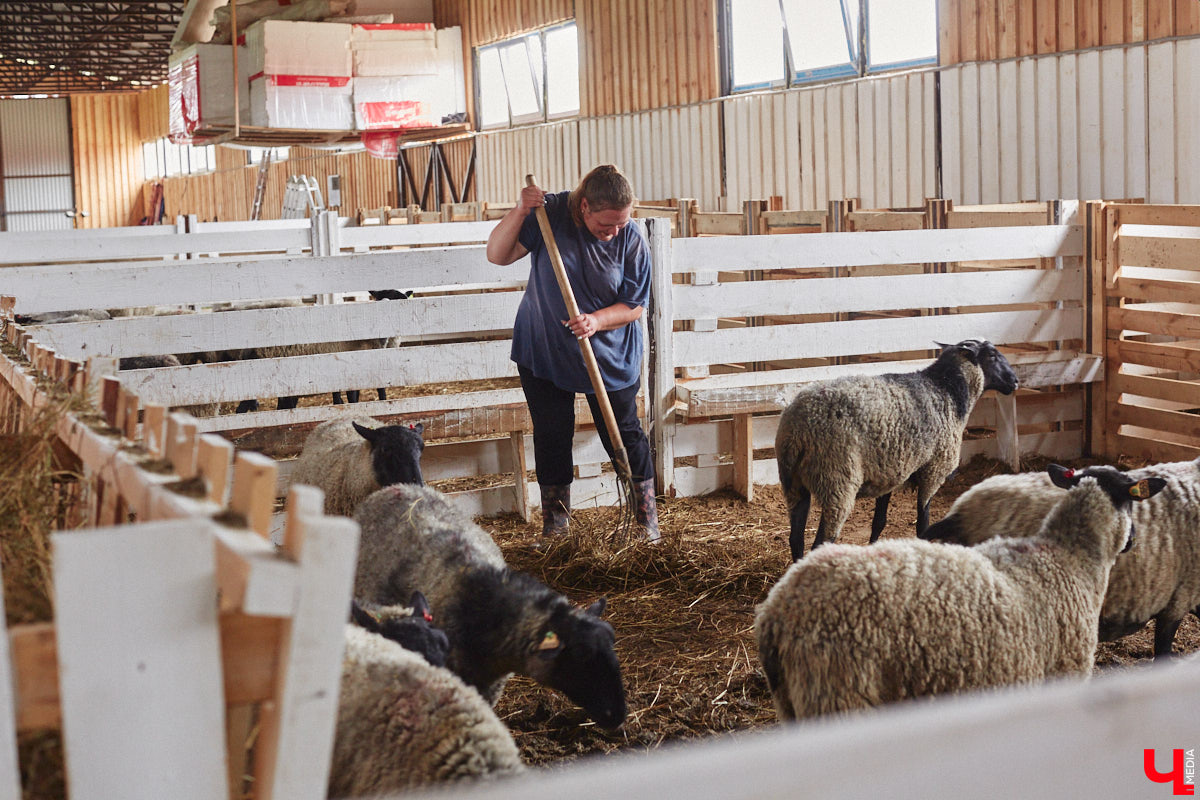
1046,743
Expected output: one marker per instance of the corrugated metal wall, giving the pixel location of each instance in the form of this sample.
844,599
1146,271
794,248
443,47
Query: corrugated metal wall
1115,123
872,139
550,152
35,164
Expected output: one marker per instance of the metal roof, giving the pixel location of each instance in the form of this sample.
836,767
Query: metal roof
63,48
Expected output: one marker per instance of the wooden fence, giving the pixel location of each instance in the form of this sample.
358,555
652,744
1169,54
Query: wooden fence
137,617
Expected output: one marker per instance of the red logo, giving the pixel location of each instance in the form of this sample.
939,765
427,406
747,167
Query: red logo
1182,774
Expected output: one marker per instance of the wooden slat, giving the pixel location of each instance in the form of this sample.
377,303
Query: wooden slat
1163,356
138,644
1160,252
1154,290
1176,391
1174,422
808,250
1169,323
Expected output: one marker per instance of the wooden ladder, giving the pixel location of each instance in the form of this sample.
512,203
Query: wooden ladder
260,188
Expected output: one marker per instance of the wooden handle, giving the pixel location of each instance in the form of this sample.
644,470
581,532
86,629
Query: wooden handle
585,344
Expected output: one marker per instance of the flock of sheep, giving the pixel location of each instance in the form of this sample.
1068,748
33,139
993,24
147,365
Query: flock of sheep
1019,589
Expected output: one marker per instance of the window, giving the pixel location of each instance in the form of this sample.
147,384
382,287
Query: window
530,78
786,42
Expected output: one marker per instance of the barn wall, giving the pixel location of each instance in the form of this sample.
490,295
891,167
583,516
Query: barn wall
1113,123
107,141
985,30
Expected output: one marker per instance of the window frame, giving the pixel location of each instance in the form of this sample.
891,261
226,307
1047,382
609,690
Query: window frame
541,84
859,66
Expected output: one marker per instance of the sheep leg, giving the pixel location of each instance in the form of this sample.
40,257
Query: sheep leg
287,402
799,519
879,521
352,395
833,517
381,394
337,398
1164,636
922,517
247,405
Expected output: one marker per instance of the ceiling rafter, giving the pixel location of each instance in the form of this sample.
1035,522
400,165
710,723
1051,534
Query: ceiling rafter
65,48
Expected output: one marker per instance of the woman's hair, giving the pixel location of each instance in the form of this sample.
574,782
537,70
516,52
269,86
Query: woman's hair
604,188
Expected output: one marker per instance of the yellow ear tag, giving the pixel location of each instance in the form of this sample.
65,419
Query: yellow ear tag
549,641
1140,489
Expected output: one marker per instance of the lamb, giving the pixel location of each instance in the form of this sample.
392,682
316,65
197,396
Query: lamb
864,436
403,723
498,621
1158,579
349,458
853,627
409,626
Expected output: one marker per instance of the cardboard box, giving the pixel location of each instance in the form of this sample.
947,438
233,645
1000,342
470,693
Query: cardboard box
401,10
389,50
200,89
280,47
303,102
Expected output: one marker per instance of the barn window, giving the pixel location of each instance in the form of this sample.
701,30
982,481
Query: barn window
529,78
776,43
162,158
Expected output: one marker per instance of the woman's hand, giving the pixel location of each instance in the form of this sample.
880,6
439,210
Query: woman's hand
532,198
584,326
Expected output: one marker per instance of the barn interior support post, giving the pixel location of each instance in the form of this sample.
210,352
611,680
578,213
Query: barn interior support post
469,178
444,168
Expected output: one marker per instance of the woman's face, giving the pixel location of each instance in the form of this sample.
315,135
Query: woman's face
606,224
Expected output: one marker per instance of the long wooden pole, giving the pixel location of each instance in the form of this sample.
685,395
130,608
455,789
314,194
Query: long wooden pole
620,457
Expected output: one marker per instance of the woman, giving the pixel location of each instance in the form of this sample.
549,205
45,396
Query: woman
608,264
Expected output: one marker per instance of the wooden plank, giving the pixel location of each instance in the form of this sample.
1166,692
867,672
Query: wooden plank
123,285
1161,252
1161,355
743,455
1176,391
1150,320
863,337
1006,432
299,375
253,493
10,780
1169,215
414,319
876,293
295,740
808,250
1173,422
661,384
138,644
1140,443
1136,288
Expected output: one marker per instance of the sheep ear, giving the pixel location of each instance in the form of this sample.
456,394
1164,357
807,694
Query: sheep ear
370,434
419,427
596,609
420,606
1062,477
1146,488
362,617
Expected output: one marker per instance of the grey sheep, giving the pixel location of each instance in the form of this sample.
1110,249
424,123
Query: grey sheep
855,627
349,458
403,723
498,621
1159,578
864,436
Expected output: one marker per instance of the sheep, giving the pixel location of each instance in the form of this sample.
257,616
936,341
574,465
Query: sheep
852,627
866,435
1158,579
499,621
349,458
409,626
403,723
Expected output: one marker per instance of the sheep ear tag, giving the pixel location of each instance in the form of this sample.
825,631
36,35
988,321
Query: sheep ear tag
1140,490
549,642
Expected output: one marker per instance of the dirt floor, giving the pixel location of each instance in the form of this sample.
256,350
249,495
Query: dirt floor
683,612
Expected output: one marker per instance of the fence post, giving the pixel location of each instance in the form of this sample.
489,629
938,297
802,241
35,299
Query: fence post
661,394
1096,394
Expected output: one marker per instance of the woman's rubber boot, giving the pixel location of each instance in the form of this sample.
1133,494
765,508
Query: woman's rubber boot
556,509
646,510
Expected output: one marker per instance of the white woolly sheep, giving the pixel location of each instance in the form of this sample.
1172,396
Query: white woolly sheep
498,621
349,458
403,723
1159,578
855,627
864,436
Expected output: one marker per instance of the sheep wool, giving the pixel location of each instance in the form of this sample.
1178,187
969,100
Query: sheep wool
1159,578
348,465
404,723
855,627
498,621
864,436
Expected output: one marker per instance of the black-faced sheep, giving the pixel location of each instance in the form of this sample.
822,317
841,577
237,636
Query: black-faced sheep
409,626
350,458
1159,578
498,621
864,436
403,723
854,627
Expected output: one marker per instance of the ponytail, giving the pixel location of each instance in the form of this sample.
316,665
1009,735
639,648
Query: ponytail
604,188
